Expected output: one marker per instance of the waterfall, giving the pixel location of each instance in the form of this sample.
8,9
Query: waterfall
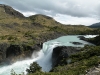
45,61
43,58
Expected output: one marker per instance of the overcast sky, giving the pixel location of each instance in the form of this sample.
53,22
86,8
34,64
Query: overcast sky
85,12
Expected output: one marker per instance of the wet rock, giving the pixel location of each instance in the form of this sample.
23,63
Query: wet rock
62,52
10,53
40,45
83,38
13,50
76,43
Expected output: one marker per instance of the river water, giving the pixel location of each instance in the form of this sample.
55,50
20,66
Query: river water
43,57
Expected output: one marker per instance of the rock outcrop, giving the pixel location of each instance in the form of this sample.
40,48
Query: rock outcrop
93,71
11,53
9,10
76,43
83,38
62,52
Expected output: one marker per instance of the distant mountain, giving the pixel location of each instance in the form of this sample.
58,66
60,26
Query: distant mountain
96,25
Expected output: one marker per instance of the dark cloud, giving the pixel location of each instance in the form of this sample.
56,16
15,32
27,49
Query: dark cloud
79,8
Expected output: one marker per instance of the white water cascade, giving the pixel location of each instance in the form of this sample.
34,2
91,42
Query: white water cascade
43,57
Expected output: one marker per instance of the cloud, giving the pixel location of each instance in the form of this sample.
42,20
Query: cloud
66,19
73,8
80,8
28,13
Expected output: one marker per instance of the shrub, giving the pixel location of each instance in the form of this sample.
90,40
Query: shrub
34,67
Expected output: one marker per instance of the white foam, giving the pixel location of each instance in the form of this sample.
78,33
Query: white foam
90,36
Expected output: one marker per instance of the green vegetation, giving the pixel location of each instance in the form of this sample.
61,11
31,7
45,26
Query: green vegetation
88,51
8,37
34,67
13,73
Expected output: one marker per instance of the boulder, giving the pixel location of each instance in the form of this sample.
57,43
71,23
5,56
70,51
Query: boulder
82,38
76,43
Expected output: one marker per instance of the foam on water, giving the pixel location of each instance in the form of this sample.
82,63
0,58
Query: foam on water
90,36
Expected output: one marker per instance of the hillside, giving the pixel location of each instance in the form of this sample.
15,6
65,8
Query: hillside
14,24
44,20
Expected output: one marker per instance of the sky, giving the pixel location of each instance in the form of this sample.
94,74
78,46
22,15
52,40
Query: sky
84,12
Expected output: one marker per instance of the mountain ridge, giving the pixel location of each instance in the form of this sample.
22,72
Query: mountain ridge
9,10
